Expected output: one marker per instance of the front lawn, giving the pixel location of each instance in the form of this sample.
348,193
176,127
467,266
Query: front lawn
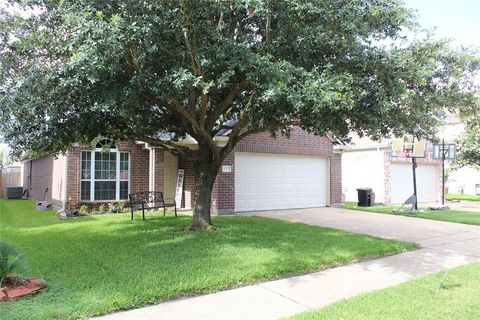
458,216
436,297
466,197
102,263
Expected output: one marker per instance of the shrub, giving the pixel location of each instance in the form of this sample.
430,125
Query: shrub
13,263
83,210
102,208
120,207
116,207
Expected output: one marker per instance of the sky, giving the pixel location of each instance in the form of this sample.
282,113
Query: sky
455,19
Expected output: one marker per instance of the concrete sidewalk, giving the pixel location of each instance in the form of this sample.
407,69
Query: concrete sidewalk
444,245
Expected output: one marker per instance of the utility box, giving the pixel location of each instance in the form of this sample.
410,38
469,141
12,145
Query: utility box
14,192
366,197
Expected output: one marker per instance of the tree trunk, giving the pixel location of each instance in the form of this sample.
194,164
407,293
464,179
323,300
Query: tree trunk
205,174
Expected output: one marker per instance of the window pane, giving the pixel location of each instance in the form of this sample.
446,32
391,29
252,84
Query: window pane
86,155
85,191
123,190
106,165
86,165
113,165
105,190
123,166
105,143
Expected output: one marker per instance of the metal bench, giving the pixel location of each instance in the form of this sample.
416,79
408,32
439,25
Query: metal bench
150,200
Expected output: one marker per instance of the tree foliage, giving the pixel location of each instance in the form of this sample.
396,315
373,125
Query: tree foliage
141,69
469,143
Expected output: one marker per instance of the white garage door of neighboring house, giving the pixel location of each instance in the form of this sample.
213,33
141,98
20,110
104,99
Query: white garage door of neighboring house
272,181
402,182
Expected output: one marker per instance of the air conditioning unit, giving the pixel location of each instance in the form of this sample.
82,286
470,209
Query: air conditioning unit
14,192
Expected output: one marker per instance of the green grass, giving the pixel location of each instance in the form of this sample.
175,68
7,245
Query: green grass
103,263
456,297
458,216
467,197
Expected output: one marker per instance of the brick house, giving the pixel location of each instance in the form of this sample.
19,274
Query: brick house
262,173
368,163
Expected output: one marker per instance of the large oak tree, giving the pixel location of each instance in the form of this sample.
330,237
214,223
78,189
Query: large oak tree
76,70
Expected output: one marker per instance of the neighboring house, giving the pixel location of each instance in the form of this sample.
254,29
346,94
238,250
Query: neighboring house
262,173
463,180
369,164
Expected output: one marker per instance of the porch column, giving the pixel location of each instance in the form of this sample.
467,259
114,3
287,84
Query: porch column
151,169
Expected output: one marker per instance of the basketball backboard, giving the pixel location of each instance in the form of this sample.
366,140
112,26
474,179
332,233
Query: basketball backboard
409,147
449,149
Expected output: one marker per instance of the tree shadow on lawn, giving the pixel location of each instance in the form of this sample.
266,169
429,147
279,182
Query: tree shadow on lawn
23,214
109,263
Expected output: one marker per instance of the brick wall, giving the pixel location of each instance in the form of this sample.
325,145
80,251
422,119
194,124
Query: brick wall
223,196
300,142
335,179
73,175
387,176
41,179
38,176
139,165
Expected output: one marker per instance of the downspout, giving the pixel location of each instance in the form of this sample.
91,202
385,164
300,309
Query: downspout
64,186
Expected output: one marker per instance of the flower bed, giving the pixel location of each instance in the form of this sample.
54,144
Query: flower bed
20,287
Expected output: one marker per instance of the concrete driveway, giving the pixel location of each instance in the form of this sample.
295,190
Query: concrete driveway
421,231
444,245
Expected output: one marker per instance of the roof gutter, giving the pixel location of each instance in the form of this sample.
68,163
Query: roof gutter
188,142
348,148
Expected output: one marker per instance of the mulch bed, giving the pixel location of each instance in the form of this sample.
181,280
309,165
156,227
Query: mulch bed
21,288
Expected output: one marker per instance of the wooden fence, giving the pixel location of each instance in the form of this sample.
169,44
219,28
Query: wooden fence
9,177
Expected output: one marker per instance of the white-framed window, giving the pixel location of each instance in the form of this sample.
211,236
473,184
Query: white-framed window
104,173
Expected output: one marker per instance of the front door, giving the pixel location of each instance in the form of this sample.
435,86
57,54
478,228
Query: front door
169,174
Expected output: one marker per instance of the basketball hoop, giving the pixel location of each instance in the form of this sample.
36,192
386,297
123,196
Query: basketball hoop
409,147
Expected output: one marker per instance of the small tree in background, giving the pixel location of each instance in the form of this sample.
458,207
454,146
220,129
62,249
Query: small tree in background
469,144
141,69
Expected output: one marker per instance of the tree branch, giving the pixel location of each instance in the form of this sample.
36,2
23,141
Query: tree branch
223,106
189,122
189,37
184,152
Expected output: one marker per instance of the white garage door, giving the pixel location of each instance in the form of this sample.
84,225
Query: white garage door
402,183
271,181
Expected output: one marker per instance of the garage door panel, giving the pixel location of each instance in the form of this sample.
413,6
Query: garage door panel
269,181
402,183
